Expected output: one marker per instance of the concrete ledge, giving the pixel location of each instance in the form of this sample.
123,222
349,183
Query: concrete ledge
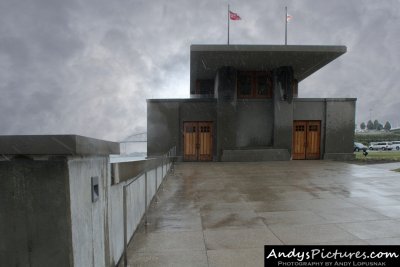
123,171
324,99
251,155
339,156
55,145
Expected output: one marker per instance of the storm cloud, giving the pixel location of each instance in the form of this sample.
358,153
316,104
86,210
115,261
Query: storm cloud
87,67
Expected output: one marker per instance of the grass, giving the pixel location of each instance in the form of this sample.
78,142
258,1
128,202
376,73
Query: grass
378,156
396,170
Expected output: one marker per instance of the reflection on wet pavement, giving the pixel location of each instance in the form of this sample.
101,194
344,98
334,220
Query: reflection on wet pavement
221,214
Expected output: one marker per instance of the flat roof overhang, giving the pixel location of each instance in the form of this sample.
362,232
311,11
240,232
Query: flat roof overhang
205,60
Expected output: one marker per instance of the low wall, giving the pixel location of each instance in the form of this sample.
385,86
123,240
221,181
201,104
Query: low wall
62,203
131,196
340,156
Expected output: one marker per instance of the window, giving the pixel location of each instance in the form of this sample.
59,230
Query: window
245,84
190,129
204,129
205,87
313,128
252,84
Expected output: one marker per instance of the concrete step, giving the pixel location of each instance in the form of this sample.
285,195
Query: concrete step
247,155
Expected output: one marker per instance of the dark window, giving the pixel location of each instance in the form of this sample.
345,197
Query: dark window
204,87
245,84
254,84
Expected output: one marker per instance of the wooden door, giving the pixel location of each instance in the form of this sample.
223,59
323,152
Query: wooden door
205,141
190,141
306,139
197,141
313,140
299,140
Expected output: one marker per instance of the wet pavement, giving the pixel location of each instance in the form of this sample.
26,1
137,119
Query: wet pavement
222,214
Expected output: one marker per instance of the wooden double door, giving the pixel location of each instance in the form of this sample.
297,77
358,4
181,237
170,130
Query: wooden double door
306,139
197,141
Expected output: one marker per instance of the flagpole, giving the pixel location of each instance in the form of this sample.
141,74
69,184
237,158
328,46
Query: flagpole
228,24
286,26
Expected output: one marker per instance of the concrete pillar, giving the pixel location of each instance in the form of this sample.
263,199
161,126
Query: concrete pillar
283,118
225,92
49,215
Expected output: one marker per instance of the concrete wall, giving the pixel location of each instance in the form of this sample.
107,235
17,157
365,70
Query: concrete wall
254,123
135,204
225,84
165,122
98,225
340,123
87,218
337,118
116,223
162,126
200,110
47,217
34,214
151,190
311,109
283,118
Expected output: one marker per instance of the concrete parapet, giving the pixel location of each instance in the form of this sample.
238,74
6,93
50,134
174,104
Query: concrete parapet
55,145
339,156
59,205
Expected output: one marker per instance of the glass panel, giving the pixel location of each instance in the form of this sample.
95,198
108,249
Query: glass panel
262,85
313,128
244,84
205,87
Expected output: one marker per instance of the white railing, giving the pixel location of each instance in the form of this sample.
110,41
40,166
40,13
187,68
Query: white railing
139,182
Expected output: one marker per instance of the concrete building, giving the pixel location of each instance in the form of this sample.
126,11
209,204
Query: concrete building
244,106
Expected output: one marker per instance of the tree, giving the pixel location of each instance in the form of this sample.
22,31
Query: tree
370,125
376,124
380,127
387,126
362,126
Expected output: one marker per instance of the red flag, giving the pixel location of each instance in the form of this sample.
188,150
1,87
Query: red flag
234,16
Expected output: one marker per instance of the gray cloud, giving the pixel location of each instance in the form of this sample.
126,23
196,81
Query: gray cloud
87,67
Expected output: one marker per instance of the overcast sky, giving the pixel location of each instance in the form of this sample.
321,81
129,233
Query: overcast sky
87,66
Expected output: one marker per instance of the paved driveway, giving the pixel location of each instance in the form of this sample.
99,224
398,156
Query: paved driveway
222,214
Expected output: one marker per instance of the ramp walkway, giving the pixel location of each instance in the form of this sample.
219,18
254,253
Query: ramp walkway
222,214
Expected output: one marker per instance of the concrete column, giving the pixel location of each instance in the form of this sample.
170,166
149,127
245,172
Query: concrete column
48,213
226,109
340,121
283,118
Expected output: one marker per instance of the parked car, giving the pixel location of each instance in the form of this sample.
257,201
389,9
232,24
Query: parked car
359,146
396,145
381,145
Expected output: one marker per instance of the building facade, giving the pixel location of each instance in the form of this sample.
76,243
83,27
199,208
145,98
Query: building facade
244,106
